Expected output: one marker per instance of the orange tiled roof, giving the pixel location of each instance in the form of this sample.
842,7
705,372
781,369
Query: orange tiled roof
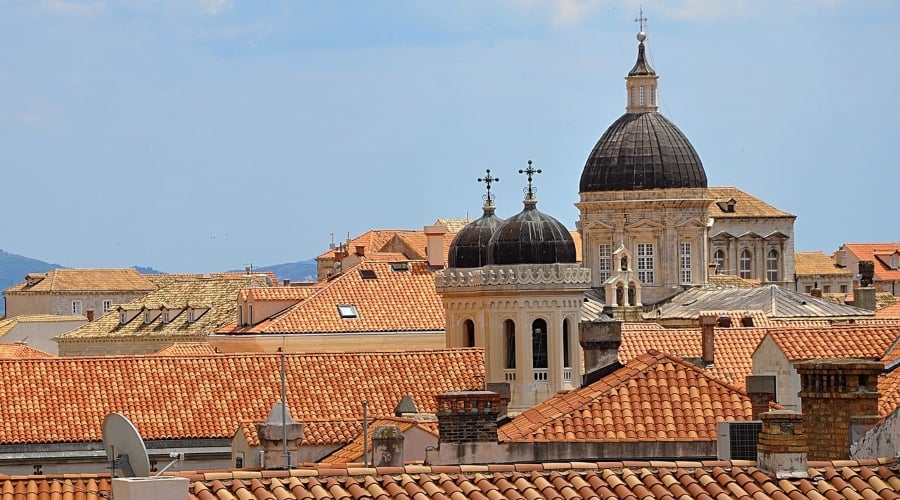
733,349
88,280
353,451
889,388
279,292
394,300
746,205
879,253
22,351
818,264
859,341
655,397
187,349
315,432
889,312
162,280
682,479
65,399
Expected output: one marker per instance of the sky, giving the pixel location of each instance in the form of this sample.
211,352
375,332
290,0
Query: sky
207,135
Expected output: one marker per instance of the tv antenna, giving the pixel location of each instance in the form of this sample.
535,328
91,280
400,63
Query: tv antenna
125,449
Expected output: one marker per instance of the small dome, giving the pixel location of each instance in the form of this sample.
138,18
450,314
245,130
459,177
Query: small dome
642,151
470,245
531,237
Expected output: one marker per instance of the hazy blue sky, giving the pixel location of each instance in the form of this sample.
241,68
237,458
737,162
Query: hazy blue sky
203,135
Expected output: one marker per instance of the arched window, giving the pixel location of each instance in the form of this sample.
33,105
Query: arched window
746,264
539,344
772,266
566,363
509,341
719,260
470,333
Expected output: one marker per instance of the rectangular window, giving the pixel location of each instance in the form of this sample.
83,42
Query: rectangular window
604,262
107,305
827,289
347,311
645,263
843,288
808,288
685,248
76,307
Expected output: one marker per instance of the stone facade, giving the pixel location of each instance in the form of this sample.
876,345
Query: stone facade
756,238
526,319
770,360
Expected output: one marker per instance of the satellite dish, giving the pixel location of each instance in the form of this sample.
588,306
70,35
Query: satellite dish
124,446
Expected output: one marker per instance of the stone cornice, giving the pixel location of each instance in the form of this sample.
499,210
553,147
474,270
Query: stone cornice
566,276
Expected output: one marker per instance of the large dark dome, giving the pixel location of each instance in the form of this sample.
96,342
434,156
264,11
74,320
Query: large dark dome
531,237
470,245
642,151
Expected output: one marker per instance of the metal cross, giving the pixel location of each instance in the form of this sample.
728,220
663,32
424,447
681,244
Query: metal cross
530,171
641,19
488,179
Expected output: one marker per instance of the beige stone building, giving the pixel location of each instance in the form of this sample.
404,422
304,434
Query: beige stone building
817,271
650,224
81,292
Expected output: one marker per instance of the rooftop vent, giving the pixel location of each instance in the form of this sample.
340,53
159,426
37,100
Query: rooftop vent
738,440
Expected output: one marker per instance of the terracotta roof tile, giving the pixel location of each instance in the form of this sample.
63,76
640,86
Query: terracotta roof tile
66,399
818,264
382,295
188,349
745,205
216,292
891,311
22,351
621,406
837,341
88,280
879,253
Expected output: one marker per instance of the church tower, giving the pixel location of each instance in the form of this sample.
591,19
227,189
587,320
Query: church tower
517,294
643,203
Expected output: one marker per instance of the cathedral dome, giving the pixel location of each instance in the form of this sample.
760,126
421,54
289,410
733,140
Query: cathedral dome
642,149
470,245
530,236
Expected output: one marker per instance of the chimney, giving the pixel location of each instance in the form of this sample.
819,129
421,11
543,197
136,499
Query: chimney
503,390
286,282
864,298
747,320
90,314
761,389
434,236
816,291
708,324
280,426
782,449
713,269
467,417
361,250
839,397
387,446
600,341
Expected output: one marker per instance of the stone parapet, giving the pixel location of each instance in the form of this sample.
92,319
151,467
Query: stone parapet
539,275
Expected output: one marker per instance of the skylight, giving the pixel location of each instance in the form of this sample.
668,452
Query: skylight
347,311
399,266
367,274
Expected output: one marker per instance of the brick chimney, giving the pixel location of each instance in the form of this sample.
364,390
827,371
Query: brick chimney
434,237
708,324
761,389
468,417
839,397
90,314
600,341
782,448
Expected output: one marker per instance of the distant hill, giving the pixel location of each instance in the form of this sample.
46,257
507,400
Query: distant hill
13,269
302,270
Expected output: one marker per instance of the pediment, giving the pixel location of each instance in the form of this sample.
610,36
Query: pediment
644,225
595,225
722,236
691,222
749,235
777,235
